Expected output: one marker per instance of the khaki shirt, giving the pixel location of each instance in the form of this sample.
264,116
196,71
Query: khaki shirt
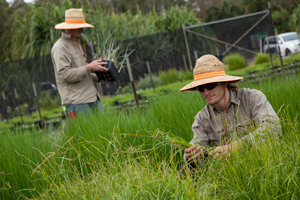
75,84
248,113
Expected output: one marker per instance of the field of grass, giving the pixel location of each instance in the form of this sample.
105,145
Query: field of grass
125,155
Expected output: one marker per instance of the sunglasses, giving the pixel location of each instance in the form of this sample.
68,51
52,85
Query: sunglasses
208,86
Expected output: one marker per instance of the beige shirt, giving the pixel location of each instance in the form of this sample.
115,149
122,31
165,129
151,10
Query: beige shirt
75,84
248,114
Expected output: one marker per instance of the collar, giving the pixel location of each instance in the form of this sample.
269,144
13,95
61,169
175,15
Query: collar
65,35
233,100
68,36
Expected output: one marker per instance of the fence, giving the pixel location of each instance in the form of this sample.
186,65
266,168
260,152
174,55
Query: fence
174,49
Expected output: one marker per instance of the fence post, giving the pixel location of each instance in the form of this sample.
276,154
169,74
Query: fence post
184,61
132,83
280,57
37,104
150,74
5,107
269,50
99,88
187,47
17,98
196,55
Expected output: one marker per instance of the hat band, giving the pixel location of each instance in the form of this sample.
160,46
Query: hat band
75,21
209,74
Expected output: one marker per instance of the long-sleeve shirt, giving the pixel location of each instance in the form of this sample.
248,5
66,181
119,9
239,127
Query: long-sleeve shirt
248,113
75,84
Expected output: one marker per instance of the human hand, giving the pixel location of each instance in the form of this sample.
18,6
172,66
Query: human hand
194,153
97,65
223,150
219,151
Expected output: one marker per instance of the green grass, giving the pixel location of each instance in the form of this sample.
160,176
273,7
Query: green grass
124,155
264,66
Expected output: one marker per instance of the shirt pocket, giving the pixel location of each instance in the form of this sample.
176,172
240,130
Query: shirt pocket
76,60
244,127
216,137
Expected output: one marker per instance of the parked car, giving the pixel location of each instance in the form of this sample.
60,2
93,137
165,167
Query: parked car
50,88
288,42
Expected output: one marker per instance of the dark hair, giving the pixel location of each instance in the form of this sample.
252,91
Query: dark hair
232,87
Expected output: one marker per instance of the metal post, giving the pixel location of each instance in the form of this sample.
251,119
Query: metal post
187,47
260,45
20,113
37,104
150,74
132,83
271,60
280,57
184,62
99,88
196,56
5,106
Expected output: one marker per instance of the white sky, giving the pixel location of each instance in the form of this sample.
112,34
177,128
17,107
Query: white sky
26,1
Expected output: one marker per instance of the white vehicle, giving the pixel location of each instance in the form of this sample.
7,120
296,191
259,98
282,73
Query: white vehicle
288,42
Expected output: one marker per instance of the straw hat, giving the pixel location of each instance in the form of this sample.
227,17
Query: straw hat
209,69
74,19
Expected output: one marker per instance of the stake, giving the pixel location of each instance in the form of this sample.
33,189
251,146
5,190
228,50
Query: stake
20,113
150,74
271,61
187,47
279,53
196,56
132,83
37,104
184,61
5,106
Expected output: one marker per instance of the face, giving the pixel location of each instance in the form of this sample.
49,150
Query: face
76,33
214,96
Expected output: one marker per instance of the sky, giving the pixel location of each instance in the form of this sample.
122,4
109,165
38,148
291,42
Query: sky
26,1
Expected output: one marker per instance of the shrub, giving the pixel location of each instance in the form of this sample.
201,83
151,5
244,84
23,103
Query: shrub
145,83
168,77
47,102
185,75
125,90
235,61
262,58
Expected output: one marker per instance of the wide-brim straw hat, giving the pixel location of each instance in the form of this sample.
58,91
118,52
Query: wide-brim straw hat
209,69
74,19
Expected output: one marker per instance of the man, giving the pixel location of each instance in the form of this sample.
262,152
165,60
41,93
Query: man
231,113
73,75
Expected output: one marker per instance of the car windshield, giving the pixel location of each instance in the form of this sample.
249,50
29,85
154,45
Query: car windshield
290,37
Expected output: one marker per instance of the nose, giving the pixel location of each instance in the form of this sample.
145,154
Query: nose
205,91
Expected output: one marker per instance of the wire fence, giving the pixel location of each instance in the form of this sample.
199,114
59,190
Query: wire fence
177,49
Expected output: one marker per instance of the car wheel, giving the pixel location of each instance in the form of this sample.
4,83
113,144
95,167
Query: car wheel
287,52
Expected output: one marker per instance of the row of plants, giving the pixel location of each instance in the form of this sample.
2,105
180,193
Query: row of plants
144,87
126,155
235,64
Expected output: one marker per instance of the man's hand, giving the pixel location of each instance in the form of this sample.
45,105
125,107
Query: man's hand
97,65
194,153
222,150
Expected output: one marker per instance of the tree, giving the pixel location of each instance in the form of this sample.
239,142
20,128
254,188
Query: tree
294,21
281,20
226,11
